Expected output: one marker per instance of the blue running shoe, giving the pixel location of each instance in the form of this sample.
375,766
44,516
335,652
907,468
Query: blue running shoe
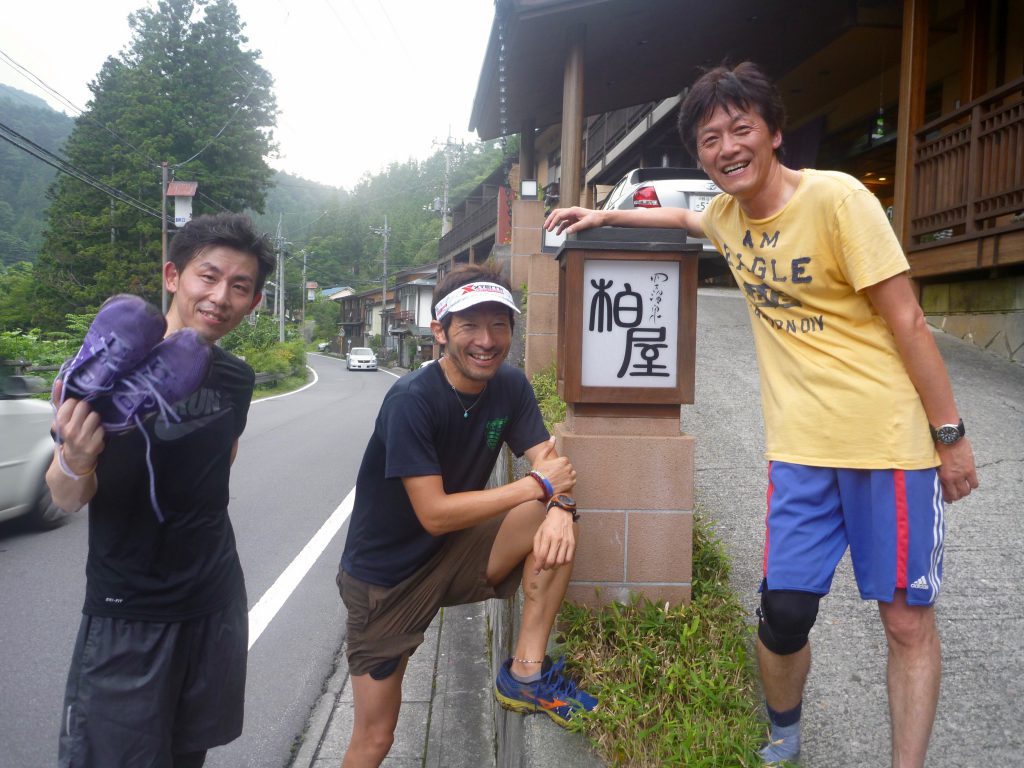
554,693
124,331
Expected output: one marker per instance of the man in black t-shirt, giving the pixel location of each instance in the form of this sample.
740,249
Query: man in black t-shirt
158,672
425,533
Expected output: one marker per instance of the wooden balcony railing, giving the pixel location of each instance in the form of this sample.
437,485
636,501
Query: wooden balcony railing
605,131
481,219
969,170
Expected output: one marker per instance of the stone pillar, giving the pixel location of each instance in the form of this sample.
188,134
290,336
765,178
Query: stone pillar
538,272
626,348
635,495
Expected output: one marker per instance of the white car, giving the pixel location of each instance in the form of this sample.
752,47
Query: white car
670,188
361,359
662,187
26,450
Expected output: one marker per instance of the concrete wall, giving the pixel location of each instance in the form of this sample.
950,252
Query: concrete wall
987,313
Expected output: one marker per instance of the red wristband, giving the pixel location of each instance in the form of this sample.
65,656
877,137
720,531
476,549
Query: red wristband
545,485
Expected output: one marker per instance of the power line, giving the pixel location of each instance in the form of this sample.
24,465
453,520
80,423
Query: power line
25,144
223,128
387,16
209,199
32,77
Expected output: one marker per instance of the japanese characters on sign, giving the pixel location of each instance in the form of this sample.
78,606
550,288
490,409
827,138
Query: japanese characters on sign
630,323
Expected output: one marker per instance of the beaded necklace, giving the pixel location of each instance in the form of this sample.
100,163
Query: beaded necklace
465,409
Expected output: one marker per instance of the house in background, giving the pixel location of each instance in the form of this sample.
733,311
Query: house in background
410,321
481,223
408,317
363,316
337,293
393,323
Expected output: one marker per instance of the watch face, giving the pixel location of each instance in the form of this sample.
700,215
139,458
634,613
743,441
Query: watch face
948,434
565,499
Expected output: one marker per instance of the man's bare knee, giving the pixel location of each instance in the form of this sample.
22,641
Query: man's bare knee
373,740
908,625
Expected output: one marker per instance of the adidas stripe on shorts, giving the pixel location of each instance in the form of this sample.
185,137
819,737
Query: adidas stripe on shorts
891,520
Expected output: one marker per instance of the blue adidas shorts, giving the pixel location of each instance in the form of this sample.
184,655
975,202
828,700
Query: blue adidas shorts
891,519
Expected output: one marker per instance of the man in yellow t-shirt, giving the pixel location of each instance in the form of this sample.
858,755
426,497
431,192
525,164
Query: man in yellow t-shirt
864,440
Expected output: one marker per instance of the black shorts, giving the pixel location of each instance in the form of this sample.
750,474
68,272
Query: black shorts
140,691
387,623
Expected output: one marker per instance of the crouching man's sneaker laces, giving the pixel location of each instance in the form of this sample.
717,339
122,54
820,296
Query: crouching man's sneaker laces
553,693
124,331
175,369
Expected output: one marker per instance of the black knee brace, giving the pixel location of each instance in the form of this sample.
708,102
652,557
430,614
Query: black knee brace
786,617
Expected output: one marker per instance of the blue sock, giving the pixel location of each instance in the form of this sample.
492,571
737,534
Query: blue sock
784,740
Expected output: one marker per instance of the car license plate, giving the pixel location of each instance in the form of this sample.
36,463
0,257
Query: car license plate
699,202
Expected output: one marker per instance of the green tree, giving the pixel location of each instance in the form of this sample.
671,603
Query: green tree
186,91
326,314
18,296
25,179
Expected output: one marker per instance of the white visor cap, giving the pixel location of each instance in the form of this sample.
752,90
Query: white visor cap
471,294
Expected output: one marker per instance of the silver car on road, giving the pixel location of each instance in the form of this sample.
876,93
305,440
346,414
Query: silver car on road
361,358
26,449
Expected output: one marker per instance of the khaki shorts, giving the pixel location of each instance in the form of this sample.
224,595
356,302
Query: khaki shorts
387,623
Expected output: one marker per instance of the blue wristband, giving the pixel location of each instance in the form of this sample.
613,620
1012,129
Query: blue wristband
549,491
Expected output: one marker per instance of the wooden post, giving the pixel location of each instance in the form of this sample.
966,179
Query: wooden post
527,151
913,69
572,119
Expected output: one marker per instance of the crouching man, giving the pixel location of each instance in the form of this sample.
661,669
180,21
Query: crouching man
425,533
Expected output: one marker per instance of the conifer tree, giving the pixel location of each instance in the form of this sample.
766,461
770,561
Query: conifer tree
185,90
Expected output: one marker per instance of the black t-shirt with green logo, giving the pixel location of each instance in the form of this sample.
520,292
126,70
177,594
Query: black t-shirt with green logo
421,430
139,568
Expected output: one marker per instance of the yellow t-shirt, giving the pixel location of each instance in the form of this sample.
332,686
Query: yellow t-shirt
834,390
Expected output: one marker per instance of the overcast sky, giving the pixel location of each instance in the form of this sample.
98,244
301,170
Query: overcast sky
359,83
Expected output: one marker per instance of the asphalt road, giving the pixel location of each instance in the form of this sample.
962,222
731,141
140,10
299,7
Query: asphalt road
296,464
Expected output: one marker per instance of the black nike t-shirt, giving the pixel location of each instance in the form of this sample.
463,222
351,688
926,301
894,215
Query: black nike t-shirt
188,566
423,429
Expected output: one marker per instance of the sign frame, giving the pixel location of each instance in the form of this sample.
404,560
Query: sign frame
571,313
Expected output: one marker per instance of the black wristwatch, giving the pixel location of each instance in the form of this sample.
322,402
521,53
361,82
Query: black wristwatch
947,434
568,503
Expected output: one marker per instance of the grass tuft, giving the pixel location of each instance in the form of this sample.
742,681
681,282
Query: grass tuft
545,387
676,684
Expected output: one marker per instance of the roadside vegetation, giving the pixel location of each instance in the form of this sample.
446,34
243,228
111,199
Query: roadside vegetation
256,343
677,685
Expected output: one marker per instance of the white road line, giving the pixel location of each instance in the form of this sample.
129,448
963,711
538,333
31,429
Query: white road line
293,392
267,607
389,373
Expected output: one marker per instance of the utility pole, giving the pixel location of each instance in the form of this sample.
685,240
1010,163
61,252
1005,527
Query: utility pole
304,288
449,145
163,234
384,232
280,282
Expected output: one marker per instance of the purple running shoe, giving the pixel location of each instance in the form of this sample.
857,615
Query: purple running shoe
124,331
175,369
